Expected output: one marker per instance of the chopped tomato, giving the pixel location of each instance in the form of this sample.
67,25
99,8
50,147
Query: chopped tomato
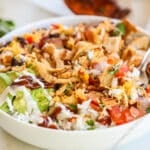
110,61
72,119
105,120
29,38
56,112
136,113
123,116
148,89
55,26
127,115
95,105
116,115
122,70
52,126
132,113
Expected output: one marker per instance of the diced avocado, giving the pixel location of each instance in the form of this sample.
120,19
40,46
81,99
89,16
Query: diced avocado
19,103
39,96
43,104
4,107
5,81
13,75
10,96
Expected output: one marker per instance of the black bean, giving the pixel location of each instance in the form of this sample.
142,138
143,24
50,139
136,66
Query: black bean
55,35
22,41
16,62
57,86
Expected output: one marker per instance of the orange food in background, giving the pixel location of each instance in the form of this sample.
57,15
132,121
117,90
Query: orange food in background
108,8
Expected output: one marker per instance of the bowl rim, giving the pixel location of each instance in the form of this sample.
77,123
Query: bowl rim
46,23
107,129
41,24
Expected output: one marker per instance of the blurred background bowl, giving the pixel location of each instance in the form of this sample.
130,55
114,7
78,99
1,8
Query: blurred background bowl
139,9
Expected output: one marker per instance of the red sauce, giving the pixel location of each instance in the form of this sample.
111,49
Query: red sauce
95,105
28,82
52,126
56,112
108,8
105,120
44,123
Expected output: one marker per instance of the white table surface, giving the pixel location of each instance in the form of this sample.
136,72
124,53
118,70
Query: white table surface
24,12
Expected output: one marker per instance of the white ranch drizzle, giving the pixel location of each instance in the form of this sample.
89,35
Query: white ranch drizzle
34,78
31,104
10,105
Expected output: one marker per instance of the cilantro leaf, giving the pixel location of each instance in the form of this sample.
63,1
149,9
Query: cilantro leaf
121,28
6,26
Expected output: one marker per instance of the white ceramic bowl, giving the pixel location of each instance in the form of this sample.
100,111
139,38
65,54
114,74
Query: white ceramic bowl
101,139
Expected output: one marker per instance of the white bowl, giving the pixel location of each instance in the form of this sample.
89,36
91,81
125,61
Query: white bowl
101,139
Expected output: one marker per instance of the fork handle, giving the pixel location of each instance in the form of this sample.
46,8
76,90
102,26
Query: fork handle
145,61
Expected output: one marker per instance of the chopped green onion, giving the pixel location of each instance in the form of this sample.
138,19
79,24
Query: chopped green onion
68,89
90,123
148,110
73,106
114,70
102,105
115,33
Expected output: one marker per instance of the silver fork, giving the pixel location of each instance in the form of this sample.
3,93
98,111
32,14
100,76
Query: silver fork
145,77
143,66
